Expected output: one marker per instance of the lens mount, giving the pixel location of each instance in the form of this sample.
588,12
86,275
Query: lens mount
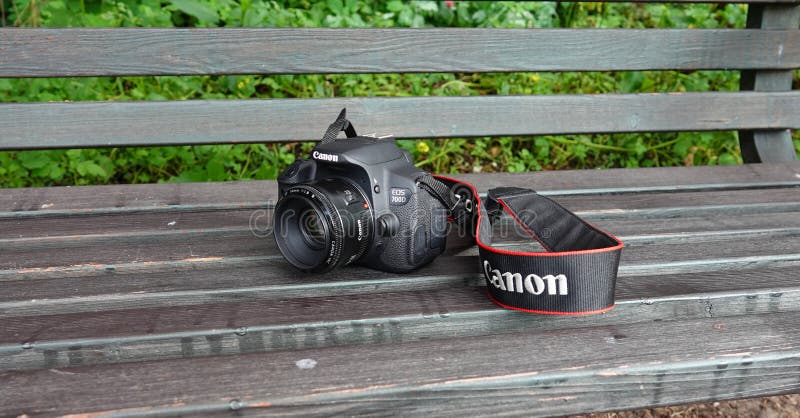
323,225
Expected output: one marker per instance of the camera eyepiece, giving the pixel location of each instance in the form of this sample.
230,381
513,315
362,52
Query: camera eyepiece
323,225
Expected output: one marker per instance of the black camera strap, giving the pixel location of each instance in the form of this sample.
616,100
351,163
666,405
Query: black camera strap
576,274
340,124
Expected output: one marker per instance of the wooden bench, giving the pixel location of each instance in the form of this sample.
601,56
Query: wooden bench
159,299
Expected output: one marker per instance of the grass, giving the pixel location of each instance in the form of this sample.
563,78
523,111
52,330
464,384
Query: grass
264,161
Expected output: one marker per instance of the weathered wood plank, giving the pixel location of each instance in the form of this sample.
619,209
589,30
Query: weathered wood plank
55,233
606,367
210,273
150,51
127,287
506,234
261,326
249,272
145,297
144,225
102,124
154,308
251,193
176,247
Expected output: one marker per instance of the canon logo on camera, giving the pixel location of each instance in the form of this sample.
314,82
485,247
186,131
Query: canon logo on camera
325,157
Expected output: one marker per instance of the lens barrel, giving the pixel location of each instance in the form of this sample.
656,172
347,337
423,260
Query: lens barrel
323,225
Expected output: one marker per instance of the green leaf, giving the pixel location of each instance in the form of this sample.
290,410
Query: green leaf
193,175
33,159
199,10
394,6
216,170
6,85
727,158
427,6
640,148
681,148
266,172
516,167
90,168
542,147
336,6
56,172
580,151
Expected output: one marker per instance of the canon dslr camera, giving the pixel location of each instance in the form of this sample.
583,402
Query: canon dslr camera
360,200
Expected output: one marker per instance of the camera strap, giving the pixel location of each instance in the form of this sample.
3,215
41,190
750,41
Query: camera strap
576,273
340,124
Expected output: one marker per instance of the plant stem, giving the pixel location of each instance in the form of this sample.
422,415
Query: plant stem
664,144
590,145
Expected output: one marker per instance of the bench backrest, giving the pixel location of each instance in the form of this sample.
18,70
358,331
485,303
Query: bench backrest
767,53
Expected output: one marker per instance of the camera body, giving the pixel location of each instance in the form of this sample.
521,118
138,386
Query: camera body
357,200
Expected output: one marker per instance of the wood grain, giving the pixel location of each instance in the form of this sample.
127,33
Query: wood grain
45,248
90,124
120,250
150,51
159,302
639,363
22,230
111,337
61,201
100,283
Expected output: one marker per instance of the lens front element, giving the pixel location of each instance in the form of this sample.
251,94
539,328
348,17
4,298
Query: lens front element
323,225
311,228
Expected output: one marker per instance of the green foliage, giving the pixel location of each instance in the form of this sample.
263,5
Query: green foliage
259,161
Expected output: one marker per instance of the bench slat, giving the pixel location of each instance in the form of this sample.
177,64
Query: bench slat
149,51
140,226
99,124
606,367
141,230
215,273
142,333
281,282
142,197
111,250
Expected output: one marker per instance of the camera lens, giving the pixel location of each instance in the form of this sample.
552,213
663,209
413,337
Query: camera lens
312,229
323,225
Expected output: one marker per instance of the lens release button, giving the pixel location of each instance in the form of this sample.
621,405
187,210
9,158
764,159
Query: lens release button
388,225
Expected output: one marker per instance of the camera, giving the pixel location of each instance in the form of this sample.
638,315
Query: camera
359,200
